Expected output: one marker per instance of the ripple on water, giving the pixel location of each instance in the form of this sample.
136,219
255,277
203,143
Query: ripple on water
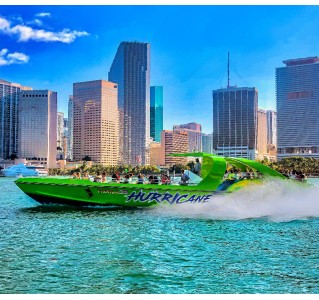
248,246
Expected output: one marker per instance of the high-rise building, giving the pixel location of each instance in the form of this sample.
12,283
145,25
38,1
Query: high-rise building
271,127
194,135
207,143
9,117
174,141
131,71
235,122
65,140
262,134
70,129
297,96
38,126
60,134
95,121
156,116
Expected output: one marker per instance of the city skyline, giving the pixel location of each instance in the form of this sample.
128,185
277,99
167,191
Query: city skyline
43,49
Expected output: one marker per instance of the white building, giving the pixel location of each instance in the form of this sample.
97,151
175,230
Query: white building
38,126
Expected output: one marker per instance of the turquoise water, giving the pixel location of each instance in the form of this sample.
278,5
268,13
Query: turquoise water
263,240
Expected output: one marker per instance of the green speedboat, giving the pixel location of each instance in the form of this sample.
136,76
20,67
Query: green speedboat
84,192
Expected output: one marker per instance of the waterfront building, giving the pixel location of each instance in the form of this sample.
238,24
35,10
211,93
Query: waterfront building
60,134
155,154
271,127
207,143
95,121
131,71
65,140
194,135
235,121
38,126
9,117
297,99
156,114
174,141
70,128
262,134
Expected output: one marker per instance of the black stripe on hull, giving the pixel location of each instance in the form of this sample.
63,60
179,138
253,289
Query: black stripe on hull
55,200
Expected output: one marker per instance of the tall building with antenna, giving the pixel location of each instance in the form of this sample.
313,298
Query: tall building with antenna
235,121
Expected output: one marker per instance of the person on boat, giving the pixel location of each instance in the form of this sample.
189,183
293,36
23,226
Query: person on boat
103,177
292,174
300,176
184,178
98,177
116,177
85,176
126,178
165,179
150,179
140,179
197,167
231,176
155,180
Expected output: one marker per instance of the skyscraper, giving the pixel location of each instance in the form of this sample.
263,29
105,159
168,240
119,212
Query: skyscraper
156,117
271,127
60,134
131,71
9,117
95,127
235,122
207,143
262,134
70,128
65,140
38,126
297,95
194,135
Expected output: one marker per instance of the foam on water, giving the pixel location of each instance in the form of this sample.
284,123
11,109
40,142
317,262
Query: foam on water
275,200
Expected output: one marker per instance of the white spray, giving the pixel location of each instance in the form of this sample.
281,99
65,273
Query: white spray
276,200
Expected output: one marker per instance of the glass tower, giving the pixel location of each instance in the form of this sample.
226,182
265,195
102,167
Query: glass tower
9,118
156,118
297,97
131,71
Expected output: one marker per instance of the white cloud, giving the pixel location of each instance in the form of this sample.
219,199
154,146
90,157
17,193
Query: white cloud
7,58
43,14
35,22
4,52
26,33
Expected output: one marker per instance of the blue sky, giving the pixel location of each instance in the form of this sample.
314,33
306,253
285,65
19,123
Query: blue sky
51,47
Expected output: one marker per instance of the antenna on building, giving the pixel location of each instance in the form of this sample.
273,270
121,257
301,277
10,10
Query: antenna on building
228,72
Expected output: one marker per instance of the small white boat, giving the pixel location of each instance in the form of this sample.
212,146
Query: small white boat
22,170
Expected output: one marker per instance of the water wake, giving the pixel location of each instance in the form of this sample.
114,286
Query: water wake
275,200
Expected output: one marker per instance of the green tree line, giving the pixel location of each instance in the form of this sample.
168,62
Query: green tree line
306,165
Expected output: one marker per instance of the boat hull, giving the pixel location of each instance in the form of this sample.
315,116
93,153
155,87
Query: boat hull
84,192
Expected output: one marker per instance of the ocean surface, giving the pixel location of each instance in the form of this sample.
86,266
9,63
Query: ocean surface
261,240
